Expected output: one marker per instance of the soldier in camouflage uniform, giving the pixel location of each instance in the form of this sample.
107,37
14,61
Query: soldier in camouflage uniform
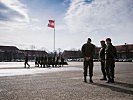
102,59
26,62
88,51
110,55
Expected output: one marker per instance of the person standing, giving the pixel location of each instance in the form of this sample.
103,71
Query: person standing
110,55
88,51
42,61
62,61
102,59
26,62
45,61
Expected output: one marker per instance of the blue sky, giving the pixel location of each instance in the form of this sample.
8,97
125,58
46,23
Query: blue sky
23,23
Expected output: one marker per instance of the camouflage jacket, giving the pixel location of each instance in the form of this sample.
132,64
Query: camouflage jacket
88,50
110,52
102,53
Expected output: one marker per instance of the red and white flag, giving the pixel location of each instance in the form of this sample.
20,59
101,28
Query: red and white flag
51,24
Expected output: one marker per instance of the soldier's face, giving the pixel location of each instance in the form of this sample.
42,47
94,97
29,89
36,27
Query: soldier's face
107,41
102,43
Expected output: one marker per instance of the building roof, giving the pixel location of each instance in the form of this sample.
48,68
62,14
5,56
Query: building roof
33,51
8,48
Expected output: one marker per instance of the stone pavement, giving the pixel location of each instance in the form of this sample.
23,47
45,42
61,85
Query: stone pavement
68,85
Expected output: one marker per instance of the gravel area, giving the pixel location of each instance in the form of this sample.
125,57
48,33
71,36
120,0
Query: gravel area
68,85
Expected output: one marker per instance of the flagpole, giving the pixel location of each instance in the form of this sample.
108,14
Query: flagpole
54,36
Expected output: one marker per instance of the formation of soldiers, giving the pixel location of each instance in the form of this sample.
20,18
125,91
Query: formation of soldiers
46,61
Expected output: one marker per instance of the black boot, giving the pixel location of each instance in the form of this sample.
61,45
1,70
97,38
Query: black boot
112,80
85,79
109,80
91,80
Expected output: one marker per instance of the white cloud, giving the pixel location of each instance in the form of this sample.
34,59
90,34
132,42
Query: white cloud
13,14
96,15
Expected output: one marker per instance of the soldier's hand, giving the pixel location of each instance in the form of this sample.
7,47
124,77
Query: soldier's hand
87,58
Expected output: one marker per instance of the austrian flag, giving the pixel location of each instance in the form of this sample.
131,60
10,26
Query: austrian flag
51,24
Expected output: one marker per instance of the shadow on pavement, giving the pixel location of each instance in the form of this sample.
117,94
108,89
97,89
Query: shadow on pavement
114,88
124,84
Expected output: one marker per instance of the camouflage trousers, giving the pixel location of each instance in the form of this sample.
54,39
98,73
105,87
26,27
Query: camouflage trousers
90,65
109,66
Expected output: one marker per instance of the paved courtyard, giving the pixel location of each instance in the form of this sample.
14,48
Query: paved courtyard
64,83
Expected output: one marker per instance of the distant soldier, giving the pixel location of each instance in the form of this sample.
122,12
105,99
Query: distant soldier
45,61
102,59
39,61
36,62
49,61
62,61
57,61
110,55
88,51
53,61
26,62
42,61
